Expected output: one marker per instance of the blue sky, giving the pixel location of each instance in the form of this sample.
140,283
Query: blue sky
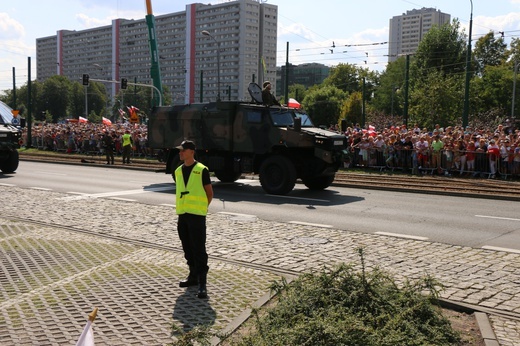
310,27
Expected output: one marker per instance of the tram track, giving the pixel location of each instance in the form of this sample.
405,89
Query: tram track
454,186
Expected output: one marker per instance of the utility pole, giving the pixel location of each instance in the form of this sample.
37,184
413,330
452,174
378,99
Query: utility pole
468,72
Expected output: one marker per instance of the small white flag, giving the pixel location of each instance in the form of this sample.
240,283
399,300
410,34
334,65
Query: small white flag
87,336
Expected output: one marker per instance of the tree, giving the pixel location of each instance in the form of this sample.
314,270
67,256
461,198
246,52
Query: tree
489,51
442,49
437,100
77,100
344,77
297,91
391,80
493,89
352,108
324,104
55,96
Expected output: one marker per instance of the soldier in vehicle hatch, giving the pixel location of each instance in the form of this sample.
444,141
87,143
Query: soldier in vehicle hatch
268,98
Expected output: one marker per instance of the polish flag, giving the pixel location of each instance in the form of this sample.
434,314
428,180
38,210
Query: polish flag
83,120
107,122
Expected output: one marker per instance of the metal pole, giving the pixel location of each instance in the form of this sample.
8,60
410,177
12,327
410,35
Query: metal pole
468,72
406,77
14,89
286,86
29,104
514,94
363,104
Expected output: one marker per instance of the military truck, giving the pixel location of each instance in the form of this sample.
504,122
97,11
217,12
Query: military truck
281,144
10,139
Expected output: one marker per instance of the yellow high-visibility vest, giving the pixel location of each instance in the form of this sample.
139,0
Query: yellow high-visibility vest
191,199
127,139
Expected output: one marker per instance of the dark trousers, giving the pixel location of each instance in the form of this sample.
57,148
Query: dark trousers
127,149
192,233
109,152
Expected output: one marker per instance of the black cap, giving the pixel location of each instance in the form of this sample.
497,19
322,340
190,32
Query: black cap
186,145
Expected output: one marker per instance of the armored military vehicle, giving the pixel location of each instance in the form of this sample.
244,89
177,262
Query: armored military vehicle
10,139
280,144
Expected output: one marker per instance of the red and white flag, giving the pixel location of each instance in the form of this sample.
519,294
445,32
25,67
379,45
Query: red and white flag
83,120
107,122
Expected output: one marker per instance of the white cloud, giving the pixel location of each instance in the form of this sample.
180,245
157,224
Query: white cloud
10,28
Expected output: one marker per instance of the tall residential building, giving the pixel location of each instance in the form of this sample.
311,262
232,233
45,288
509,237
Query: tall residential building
407,30
245,31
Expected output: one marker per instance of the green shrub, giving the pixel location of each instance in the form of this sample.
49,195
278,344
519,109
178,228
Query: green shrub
341,306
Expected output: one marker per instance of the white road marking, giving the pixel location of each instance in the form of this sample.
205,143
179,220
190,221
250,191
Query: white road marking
76,193
398,235
168,205
497,217
3,184
310,224
123,199
246,181
236,214
300,198
496,248
117,193
39,188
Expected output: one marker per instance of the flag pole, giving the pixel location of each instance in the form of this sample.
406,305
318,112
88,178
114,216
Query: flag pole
87,336
92,316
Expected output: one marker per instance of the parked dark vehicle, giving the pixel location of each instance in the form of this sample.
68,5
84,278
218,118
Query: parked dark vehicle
280,144
10,139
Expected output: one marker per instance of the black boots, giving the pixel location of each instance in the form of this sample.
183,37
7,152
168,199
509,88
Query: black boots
202,293
191,280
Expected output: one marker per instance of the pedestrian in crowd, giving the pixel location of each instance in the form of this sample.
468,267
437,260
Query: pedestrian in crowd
470,156
127,146
493,152
437,145
108,144
268,98
193,196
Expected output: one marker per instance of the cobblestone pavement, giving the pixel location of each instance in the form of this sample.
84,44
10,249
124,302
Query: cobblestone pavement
75,256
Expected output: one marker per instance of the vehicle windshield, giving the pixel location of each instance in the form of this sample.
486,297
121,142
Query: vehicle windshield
5,114
285,117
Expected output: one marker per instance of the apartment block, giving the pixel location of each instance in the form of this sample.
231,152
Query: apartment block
408,29
244,30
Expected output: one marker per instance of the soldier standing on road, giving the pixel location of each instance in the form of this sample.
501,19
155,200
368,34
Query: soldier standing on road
127,146
268,98
108,143
193,196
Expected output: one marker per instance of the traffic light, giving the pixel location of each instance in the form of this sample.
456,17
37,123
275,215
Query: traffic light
124,83
85,79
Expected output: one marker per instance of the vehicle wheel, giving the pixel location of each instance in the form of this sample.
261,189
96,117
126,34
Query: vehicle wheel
319,183
227,176
11,163
277,175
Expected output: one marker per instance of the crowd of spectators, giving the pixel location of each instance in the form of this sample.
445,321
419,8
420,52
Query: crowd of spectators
87,138
452,150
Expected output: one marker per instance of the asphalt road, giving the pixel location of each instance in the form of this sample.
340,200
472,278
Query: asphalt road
452,220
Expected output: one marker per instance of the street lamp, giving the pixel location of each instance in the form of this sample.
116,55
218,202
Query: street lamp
468,74
513,120
206,33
